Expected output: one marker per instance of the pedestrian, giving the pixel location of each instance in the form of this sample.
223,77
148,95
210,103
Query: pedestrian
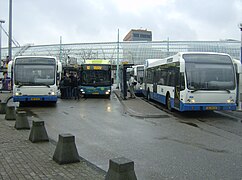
6,82
132,83
67,84
62,88
75,87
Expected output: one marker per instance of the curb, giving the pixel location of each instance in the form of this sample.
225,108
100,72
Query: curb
133,113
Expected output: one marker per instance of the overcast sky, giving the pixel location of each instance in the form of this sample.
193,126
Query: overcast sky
79,21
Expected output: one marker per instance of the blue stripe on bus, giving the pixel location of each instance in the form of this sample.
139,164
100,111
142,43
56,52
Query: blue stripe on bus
194,107
95,90
139,91
207,106
34,98
159,98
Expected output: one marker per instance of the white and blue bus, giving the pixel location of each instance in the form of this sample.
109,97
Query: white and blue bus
193,81
35,78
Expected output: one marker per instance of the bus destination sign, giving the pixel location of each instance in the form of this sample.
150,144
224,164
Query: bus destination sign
93,67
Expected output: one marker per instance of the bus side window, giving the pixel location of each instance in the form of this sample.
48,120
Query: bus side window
182,81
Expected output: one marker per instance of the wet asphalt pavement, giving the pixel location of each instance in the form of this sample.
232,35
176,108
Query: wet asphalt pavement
179,147
176,146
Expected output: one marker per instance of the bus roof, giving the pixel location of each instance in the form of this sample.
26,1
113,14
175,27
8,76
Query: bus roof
35,57
175,58
97,61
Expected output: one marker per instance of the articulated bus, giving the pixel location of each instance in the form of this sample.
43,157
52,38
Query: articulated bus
96,78
35,78
138,72
193,81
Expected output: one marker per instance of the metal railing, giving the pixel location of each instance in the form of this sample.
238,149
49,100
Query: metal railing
131,52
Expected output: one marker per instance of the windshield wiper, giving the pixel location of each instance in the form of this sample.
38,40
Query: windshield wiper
24,84
194,90
203,89
228,91
42,84
32,84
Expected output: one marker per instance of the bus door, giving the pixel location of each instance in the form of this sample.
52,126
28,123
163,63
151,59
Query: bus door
155,85
177,87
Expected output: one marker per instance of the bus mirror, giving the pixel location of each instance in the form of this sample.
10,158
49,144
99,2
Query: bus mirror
237,66
112,80
59,67
182,67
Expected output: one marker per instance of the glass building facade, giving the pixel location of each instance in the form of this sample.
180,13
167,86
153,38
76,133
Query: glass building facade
133,52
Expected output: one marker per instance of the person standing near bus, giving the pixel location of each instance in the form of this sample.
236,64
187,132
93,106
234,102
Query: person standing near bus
75,90
6,82
132,83
67,84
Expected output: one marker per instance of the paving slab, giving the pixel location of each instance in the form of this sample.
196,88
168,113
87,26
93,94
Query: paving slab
22,159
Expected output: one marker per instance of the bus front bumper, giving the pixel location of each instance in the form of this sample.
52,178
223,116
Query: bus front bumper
34,98
90,90
207,107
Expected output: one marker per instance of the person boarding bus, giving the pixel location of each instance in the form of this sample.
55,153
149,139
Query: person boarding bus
132,83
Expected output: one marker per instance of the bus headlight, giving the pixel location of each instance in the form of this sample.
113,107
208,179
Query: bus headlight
18,93
52,93
108,92
230,101
82,91
191,100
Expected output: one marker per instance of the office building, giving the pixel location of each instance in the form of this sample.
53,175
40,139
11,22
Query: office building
138,35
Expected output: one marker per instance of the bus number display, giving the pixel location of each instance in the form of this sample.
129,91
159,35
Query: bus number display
97,67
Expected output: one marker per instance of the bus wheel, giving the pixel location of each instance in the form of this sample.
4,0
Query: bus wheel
168,102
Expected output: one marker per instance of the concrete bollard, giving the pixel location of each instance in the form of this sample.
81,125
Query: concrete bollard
10,113
66,151
21,120
3,106
121,169
38,132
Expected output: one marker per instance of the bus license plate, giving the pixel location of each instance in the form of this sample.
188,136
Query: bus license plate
211,108
35,99
95,93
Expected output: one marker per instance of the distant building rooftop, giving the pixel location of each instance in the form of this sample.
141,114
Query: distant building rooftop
138,35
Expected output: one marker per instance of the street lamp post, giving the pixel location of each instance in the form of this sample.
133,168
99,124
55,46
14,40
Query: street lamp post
10,31
1,22
240,26
117,63
239,97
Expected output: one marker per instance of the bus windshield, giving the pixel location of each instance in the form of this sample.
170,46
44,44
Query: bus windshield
209,72
96,77
34,74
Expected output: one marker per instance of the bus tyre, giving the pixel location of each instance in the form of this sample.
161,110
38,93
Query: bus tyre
168,102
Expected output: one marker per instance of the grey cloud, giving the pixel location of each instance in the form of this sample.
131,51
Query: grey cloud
214,12
43,21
